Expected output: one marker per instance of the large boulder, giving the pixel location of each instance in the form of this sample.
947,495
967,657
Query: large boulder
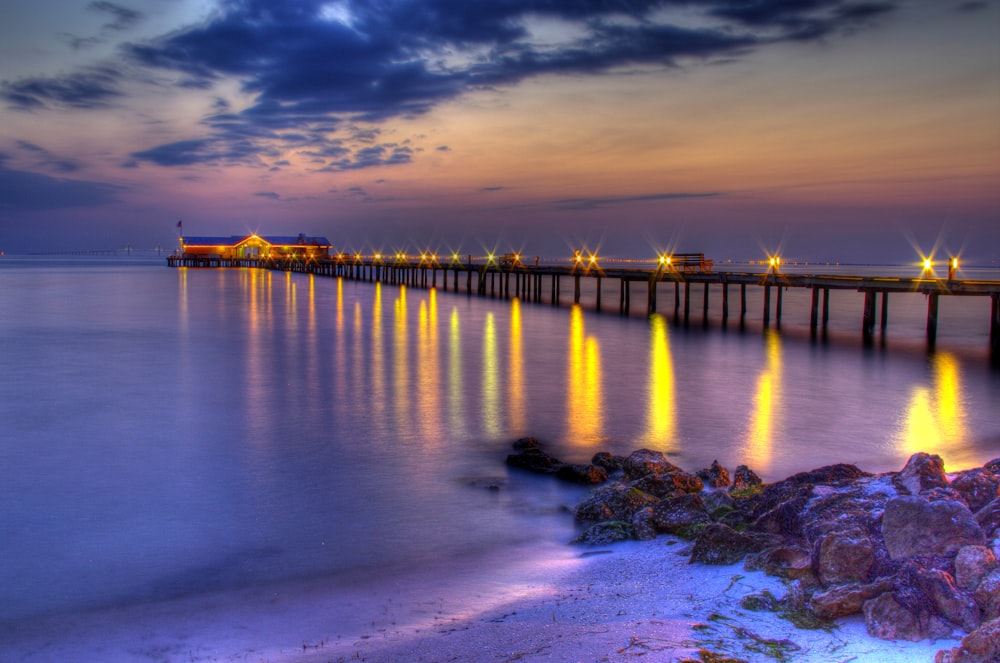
913,526
845,600
845,557
608,462
614,502
720,544
922,472
980,646
680,515
972,563
646,461
988,595
948,600
888,619
978,487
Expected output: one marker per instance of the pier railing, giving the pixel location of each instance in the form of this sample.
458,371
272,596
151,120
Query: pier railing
505,278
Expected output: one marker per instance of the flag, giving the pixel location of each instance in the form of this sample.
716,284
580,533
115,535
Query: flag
180,224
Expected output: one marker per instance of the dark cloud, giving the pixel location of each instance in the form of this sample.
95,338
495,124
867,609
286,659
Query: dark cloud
493,188
95,87
25,191
268,194
45,159
123,17
594,203
972,6
311,72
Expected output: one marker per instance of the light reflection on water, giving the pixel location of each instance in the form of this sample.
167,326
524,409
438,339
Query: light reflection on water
221,427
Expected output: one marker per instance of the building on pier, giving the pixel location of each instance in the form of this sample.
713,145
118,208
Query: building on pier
256,246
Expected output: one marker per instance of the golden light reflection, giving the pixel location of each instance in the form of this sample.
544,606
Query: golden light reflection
379,395
935,420
456,416
401,363
428,371
767,405
584,407
515,371
661,412
491,382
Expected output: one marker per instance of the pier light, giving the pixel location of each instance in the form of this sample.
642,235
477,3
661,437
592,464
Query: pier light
952,266
665,260
490,258
577,257
928,265
593,259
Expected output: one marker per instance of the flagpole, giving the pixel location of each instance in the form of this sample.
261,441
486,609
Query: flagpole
180,236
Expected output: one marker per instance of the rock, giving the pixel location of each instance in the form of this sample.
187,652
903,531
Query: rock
785,518
921,472
530,457
668,485
988,518
913,526
585,474
642,524
845,557
783,561
887,619
526,443
718,502
972,563
947,600
978,487
645,461
722,545
601,534
993,466
613,502
980,646
610,463
829,475
763,601
744,478
715,476
988,595
846,599
679,515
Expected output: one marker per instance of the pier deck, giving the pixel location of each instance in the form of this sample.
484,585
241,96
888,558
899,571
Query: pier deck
496,280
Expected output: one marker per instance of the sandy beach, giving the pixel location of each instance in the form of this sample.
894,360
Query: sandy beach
617,603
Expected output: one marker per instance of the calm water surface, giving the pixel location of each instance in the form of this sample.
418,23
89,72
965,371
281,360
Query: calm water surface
175,431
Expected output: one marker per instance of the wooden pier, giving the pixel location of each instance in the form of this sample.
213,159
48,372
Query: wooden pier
512,278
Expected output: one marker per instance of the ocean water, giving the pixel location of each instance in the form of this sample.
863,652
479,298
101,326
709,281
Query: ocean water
169,433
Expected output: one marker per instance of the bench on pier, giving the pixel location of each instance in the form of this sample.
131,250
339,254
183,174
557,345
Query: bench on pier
691,263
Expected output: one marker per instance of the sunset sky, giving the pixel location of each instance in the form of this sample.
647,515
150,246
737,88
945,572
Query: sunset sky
850,130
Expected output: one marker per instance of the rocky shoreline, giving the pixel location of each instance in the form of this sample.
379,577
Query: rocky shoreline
914,552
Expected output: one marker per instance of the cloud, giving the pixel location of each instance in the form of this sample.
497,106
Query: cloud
46,159
268,194
493,188
25,191
595,203
312,68
94,87
123,17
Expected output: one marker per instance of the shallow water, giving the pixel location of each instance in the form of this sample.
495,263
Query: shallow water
176,432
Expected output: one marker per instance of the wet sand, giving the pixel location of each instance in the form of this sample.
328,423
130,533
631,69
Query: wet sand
560,603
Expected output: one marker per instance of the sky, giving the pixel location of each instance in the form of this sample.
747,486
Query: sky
826,130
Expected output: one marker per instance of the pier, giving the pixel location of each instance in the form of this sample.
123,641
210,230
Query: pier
507,276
